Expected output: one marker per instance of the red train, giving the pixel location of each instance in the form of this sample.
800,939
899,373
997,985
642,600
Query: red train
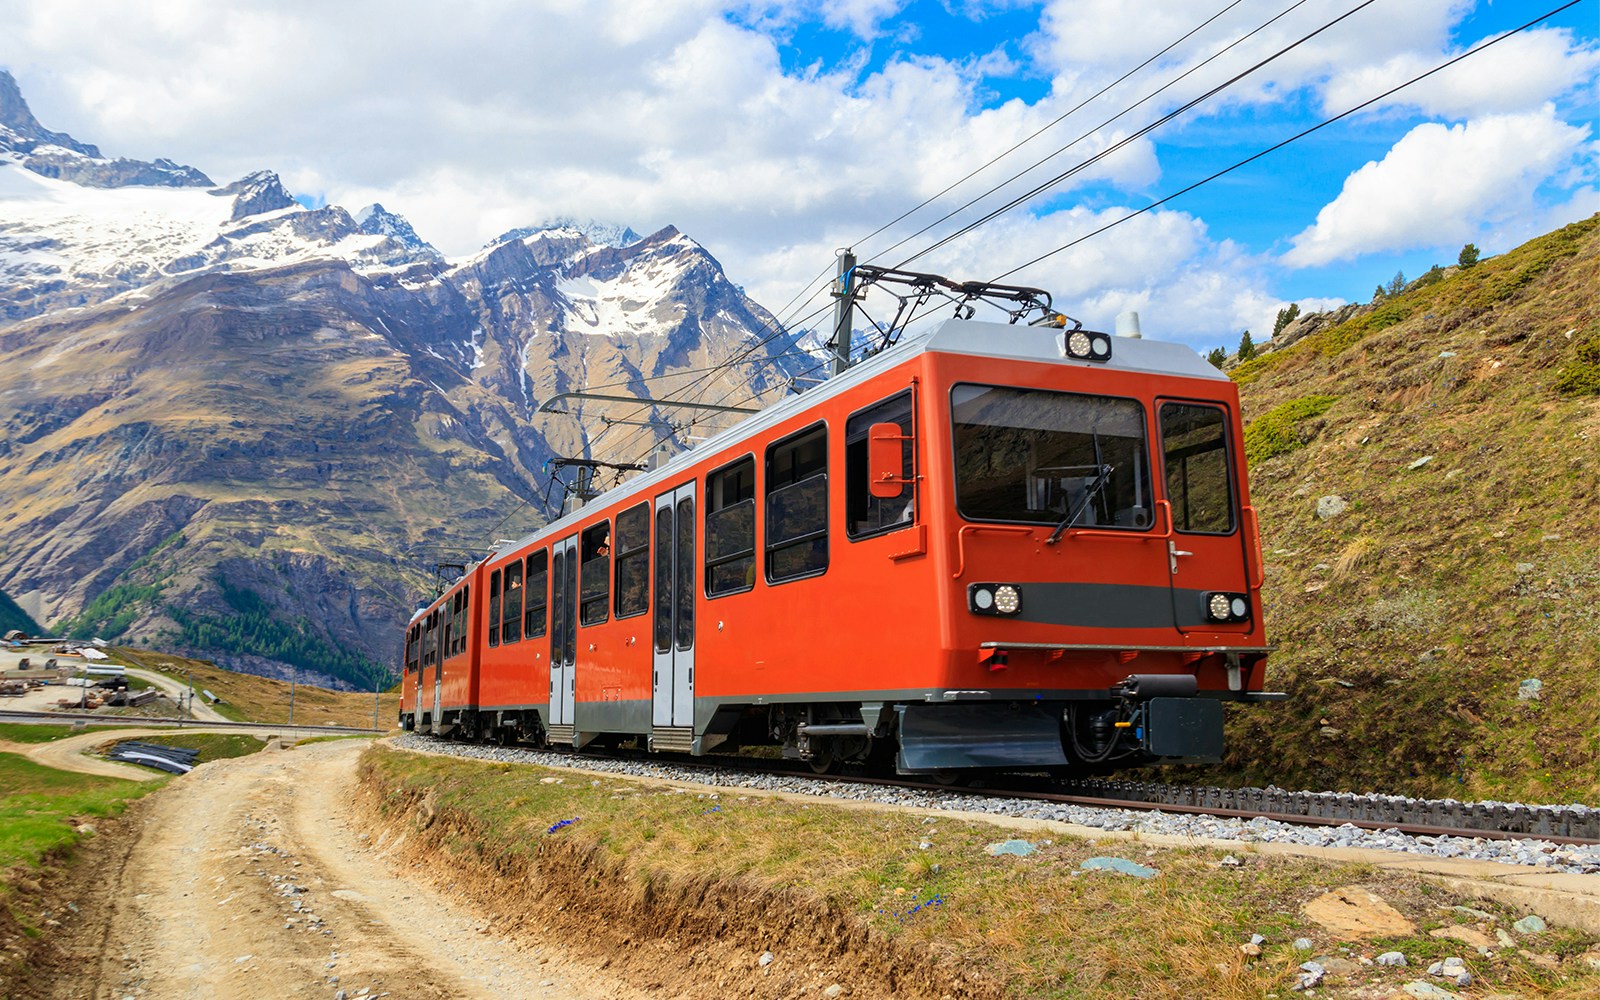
992,546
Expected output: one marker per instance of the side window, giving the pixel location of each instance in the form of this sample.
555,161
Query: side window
633,561
511,604
494,608
1194,445
731,528
864,513
797,506
595,588
664,592
538,590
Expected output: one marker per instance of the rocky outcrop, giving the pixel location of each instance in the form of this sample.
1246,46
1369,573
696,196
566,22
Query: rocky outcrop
256,194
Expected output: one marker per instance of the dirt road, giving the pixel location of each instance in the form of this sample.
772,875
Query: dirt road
247,881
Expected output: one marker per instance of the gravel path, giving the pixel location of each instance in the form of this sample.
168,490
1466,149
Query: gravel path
1539,854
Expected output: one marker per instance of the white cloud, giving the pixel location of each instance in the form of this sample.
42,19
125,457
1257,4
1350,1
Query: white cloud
1520,73
1439,186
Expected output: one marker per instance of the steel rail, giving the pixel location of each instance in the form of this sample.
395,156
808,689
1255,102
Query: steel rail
8,715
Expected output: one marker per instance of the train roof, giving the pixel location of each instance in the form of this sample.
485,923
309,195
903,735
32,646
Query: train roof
955,336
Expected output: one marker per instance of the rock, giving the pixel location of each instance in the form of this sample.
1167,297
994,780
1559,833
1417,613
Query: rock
1591,958
1336,966
1530,924
1427,990
1310,976
1352,911
1505,940
1393,958
1524,568
1302,944
1121,865
1549,962
833,991
766,959
1419,463
1530,689
1250,950
1021,848
1466,935
1258,939
1230,861
1331,506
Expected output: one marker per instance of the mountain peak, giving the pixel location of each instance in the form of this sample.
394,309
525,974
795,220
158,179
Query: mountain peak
21,132
375,220
256,194
595,231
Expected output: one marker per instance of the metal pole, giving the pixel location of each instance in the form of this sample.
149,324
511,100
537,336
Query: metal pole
294,674
844,311
191,694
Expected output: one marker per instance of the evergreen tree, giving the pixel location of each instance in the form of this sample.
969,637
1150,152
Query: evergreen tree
1469,256
1286,316
1247,349
1397,284
1217,357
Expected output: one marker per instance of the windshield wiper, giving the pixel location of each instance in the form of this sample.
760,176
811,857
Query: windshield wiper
1095,489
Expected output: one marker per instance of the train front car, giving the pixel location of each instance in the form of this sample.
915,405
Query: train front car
1101,597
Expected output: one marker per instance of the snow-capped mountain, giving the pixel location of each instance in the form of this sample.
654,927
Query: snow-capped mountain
226,413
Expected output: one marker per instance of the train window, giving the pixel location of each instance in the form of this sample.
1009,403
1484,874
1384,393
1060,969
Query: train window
1044,457
797,506
684,584
664,592
1194,446
633,561
538,590
731,528
596,564
494,608
511,604
864,513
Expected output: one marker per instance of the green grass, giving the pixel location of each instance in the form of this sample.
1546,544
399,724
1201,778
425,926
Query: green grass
1275,432
22,732
740,867
329,739
41,807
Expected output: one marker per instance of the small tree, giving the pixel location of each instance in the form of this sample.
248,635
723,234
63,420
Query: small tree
1217,357
1247,349
1396,285
1286,315
1469,256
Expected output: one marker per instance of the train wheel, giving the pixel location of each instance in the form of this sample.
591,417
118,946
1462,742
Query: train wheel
824,761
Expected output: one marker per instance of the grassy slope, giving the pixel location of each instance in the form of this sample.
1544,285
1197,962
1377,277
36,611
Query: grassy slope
12,617
644,861
1406,624
248,698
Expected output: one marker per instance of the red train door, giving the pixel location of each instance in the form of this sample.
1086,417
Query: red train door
672,700
563,629
1205,553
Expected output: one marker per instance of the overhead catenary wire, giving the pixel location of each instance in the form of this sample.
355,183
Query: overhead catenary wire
1127,140
1293,138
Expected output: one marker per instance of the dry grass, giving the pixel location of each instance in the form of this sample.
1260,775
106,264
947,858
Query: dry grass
248,698
1039,926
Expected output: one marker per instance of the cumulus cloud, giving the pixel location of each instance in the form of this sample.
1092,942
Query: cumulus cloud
1440,185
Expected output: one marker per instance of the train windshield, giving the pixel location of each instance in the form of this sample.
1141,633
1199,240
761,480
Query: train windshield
1033,455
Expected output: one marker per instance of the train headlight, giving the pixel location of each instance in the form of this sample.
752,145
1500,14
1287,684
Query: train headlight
1085,345
994,598
1227,607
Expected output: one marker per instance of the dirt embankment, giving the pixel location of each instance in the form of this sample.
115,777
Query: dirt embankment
677,938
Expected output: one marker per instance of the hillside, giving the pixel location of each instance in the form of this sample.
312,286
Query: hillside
1441,632
12,617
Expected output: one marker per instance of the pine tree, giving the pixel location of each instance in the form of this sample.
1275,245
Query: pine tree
1397,284
1247,349
1469,256
1286,316
1217,357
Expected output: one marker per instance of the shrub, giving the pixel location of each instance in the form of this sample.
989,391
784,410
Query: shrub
1273,433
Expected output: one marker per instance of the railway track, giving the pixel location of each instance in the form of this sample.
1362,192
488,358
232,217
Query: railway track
1423,818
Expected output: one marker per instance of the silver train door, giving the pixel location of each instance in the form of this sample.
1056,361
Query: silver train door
440,647
563,629
673,623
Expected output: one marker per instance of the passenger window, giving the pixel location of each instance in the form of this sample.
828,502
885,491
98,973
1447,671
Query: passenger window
1194,444
494,608
595,592
511,604
664,590
538,589
731,528
633,561
797,506
865,514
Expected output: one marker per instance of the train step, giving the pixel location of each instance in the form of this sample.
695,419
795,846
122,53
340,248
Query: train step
559,735
679,739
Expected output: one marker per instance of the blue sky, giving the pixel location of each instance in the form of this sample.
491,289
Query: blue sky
776,132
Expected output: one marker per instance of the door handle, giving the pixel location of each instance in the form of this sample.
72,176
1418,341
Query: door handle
1173,552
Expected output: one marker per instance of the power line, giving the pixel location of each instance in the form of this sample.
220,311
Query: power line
1293,138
